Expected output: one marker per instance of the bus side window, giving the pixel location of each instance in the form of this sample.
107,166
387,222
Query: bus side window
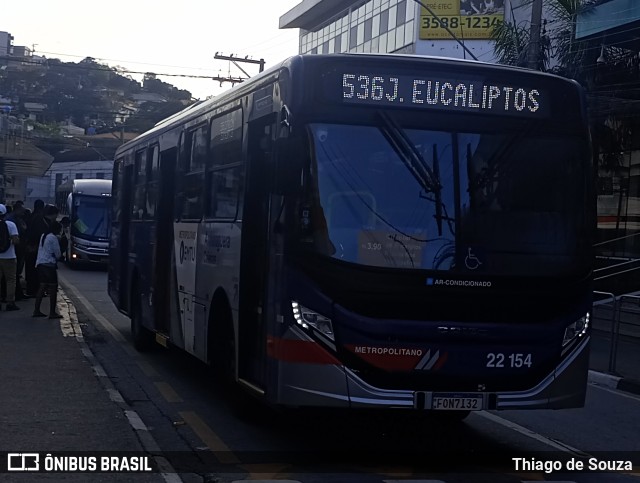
139,183
225,173
117,199
192,165
153,176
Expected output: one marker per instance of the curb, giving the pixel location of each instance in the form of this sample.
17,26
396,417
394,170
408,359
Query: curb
148,443
614,382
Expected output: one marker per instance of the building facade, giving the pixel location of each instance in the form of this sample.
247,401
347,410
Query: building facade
44,187
613,28
6,46
402,26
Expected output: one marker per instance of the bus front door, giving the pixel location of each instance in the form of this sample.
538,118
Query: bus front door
163,255
254,265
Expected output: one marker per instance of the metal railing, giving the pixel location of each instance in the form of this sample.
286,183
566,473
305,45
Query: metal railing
616,303
615,325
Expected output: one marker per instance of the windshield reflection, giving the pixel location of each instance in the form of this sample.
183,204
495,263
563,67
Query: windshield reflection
91,217
488,201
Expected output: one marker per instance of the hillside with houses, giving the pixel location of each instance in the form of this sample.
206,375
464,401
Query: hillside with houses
65,120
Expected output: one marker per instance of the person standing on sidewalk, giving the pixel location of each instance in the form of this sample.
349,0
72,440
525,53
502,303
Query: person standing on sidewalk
8,261
18,216
36,226
47,266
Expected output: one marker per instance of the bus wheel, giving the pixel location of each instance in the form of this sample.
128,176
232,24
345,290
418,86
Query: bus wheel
142,337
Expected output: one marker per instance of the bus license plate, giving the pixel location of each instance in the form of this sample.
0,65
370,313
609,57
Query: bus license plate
456,402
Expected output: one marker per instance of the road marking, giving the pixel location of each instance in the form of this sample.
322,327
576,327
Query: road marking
147,368
208,436
168,392
531,434
602,379
135,421
69,321
617,392
265,472
115,395
108,326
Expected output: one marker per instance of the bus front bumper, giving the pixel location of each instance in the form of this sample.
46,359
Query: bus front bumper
322,384
89,255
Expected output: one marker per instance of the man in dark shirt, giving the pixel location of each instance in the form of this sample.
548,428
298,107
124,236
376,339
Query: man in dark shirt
18,216
36,226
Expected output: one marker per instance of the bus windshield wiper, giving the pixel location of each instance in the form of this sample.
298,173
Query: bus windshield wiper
415,163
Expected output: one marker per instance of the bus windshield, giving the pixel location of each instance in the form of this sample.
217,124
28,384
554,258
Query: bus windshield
90,217
503,203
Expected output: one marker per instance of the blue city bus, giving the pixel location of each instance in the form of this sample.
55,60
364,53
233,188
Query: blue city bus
368,231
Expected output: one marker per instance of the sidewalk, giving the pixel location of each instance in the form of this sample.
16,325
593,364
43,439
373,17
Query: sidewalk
622,370
52,400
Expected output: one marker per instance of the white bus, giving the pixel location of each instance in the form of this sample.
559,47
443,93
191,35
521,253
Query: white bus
87,219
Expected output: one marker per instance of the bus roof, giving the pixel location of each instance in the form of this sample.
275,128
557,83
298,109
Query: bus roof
95,187
202,106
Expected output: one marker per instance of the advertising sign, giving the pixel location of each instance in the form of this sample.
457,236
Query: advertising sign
467,19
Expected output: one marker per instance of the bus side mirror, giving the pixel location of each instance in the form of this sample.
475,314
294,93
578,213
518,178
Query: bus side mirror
289,156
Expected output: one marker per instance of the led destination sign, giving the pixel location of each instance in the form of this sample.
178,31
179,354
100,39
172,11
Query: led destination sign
443,93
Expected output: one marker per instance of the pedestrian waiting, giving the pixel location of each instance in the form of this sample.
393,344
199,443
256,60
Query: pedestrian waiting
47,266
8,241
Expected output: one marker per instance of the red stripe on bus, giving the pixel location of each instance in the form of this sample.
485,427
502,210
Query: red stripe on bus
302,351
440,362
608,218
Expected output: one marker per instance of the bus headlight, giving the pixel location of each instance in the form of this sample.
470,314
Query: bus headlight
308,319
575,330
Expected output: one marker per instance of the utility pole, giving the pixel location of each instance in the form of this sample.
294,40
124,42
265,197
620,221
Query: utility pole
233,80
534,34
235,60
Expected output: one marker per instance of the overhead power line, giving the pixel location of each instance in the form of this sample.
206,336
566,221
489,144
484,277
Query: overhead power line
116,70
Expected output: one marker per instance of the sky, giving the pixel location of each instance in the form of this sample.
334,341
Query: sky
166,37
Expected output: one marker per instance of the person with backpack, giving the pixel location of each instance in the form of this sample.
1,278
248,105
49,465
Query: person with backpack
8,261
47,266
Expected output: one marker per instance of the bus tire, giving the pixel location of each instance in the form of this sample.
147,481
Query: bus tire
141,336
221,344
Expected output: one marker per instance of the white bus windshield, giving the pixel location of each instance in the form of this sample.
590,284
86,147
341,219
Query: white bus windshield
495,203
90,218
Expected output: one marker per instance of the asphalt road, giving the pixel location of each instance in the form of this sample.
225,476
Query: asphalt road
190,415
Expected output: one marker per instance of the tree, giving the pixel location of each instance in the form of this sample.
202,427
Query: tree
611,77
151,113
560,52
81,92
511,43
